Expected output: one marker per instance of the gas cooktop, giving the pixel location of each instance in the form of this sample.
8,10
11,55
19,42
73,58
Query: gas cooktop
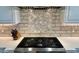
40,44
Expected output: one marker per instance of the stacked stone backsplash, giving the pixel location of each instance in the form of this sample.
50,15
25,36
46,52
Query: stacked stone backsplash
43,23
5,31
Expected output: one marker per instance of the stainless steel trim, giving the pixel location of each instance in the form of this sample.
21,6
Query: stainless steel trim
34,50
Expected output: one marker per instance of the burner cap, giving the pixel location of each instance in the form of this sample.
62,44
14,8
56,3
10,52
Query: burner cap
39,44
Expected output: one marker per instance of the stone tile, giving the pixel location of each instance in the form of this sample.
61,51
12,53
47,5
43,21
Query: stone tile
75,35
66,28
43,23
65,35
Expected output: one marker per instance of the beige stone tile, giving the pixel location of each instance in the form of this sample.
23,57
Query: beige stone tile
66,28
5,35
65,35
75,35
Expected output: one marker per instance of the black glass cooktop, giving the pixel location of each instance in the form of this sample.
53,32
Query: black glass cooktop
40,42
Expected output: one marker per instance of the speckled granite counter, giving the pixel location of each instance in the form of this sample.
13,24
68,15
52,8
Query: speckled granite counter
71,44
9,44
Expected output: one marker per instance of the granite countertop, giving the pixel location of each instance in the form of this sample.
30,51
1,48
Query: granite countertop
8,43
69,43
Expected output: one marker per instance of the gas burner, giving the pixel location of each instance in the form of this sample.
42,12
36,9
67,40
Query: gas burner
40,45
40,40
32,39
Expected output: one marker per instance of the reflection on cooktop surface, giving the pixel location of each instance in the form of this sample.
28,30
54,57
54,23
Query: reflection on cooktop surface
40,42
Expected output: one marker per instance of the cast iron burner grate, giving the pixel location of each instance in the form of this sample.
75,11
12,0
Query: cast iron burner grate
40,45
40,42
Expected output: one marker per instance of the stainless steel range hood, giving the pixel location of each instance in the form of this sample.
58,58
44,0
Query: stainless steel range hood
40,7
